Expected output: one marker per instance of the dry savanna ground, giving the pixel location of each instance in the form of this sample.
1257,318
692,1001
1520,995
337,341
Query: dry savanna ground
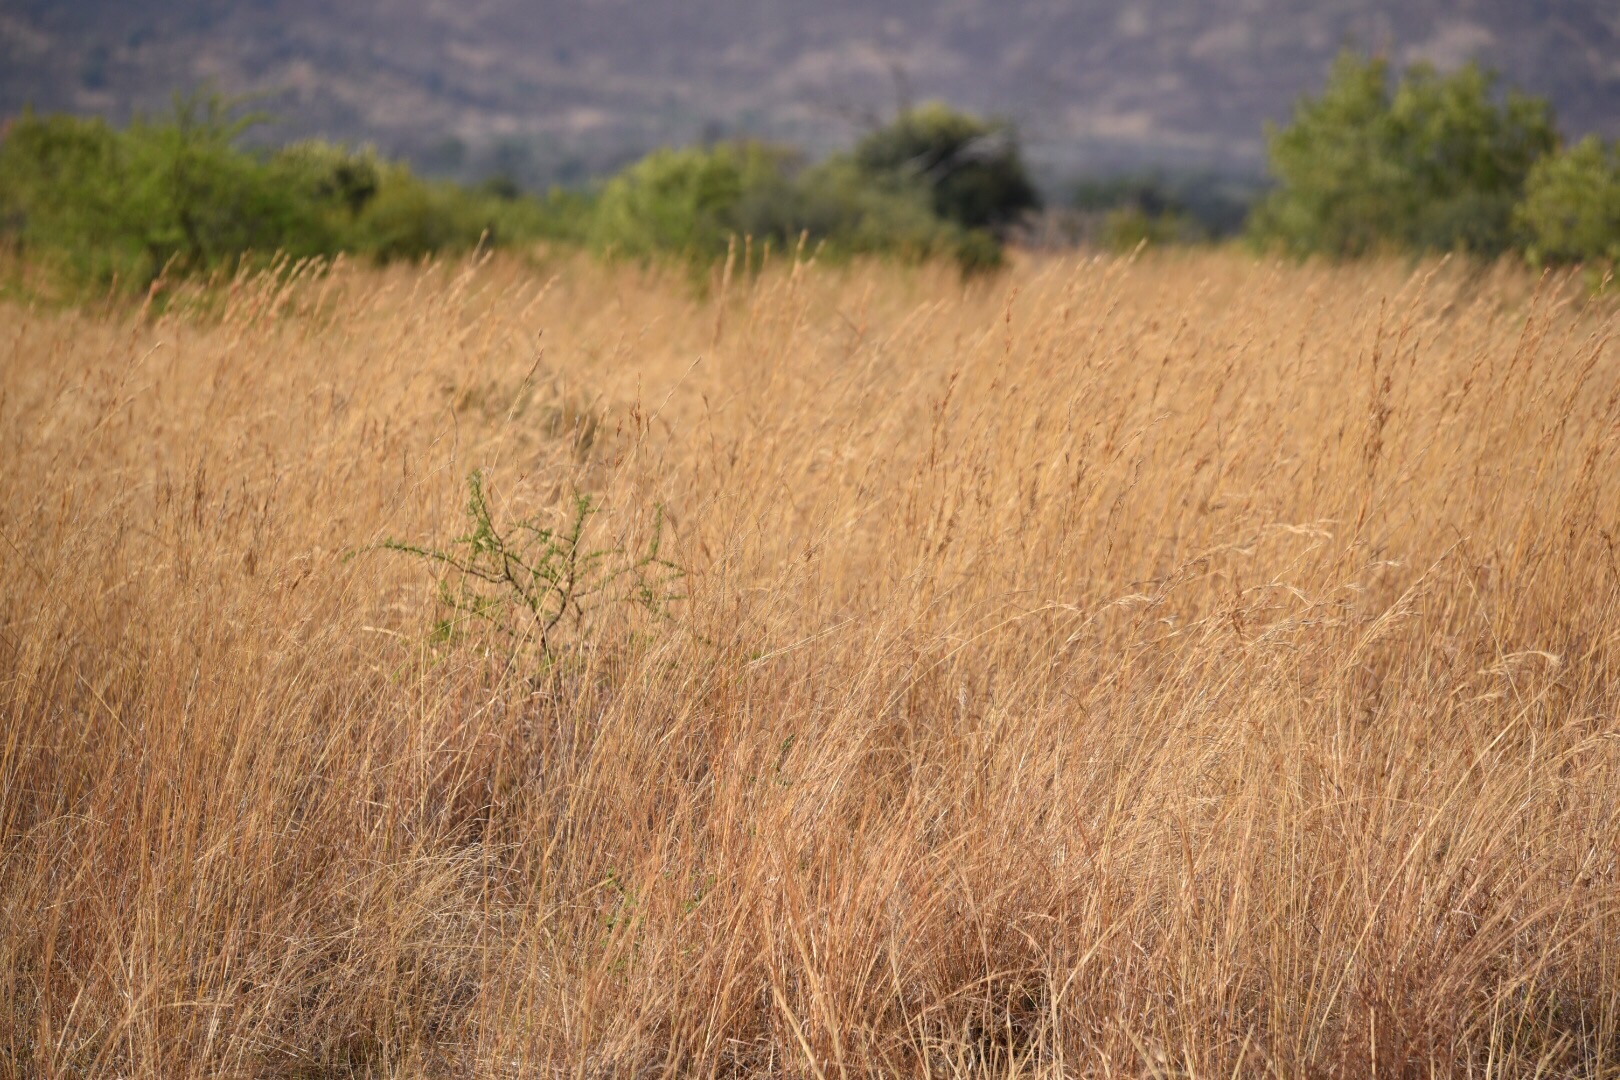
1178,667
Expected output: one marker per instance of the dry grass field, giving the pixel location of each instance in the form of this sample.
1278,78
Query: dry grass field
1181,667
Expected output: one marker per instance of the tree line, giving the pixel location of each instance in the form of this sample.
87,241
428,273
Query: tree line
180,194
1376,162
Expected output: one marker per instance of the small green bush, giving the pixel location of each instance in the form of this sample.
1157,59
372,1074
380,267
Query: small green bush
532,583
1130,227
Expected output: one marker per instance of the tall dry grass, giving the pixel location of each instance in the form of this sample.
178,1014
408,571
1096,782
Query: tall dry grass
1187,667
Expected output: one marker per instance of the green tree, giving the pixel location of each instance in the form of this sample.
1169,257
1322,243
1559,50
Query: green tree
1436,164
332,174
686,202
178,192
409,218
972,169
62,187
1467,154
692,204
201,200
846,211
1571,208
172,192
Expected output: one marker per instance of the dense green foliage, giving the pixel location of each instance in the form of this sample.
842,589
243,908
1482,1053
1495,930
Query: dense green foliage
180,194
971,169
1571,208
694,202
686,202
1436,163
130,203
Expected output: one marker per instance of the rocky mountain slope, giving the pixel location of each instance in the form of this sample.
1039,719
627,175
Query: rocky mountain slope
547,88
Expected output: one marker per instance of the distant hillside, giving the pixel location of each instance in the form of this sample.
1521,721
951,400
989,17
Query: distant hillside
551,90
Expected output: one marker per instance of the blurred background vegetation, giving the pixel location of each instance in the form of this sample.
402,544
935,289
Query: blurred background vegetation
1380,161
